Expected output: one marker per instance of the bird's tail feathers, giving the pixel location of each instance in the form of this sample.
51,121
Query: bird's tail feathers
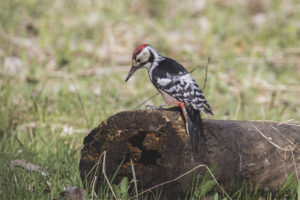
206,108
193,125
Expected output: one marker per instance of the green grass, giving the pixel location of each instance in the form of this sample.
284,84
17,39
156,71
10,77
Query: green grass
50,48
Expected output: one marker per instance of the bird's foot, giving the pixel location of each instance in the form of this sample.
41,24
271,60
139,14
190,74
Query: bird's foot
160,107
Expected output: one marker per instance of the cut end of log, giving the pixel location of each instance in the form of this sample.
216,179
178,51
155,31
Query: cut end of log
155,141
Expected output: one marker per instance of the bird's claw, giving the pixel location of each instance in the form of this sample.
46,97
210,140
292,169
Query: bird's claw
154,107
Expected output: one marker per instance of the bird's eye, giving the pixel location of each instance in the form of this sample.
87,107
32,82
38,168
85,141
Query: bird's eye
139,60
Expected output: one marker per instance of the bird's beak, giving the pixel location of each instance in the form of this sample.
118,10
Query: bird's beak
132,70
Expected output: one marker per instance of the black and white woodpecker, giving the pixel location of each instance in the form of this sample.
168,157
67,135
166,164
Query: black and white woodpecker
175,84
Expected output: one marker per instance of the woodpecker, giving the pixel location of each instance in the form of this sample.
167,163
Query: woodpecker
175,84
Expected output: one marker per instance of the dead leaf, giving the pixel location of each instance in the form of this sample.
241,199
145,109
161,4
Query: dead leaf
73,193
27,165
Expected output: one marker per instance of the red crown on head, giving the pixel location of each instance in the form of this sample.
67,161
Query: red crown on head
138,50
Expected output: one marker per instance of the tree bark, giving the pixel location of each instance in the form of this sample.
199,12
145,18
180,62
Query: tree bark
159,147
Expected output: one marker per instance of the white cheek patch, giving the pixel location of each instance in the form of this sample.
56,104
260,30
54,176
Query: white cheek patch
145,56
156,60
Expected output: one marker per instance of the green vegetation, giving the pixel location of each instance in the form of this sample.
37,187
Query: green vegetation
63,60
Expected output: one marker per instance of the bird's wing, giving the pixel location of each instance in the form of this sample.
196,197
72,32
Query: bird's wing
179,84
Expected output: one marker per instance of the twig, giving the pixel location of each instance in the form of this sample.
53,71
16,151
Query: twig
53,127
182,175
284,137
103,171
287,122
95,172
238,107
134,178
192,70
76,150
277,146
295,165
42,89
18,140
204,85
289,148
281,123
138,106
28,166
81,103
284,165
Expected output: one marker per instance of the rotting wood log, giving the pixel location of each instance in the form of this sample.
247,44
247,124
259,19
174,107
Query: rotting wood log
156,142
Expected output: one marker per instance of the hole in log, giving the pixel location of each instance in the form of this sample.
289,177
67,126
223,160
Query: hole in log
148,157
137,140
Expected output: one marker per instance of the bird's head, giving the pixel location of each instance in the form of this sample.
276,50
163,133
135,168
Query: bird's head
142,57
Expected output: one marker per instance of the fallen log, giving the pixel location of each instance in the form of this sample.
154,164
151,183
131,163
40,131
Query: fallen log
263,153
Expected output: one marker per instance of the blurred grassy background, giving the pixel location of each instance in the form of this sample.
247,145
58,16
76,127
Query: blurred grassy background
51,51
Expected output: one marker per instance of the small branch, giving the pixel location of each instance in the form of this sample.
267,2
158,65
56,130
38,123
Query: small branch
42,89
103,171
138,106
81,103
205,80
272,143
95,176
295,165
